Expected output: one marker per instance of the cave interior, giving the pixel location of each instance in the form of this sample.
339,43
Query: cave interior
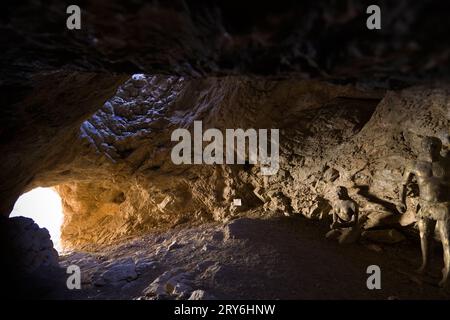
89,114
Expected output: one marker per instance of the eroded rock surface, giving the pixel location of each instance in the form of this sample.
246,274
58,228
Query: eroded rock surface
124,183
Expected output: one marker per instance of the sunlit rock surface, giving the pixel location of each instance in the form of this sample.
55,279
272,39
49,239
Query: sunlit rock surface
30,264
236,261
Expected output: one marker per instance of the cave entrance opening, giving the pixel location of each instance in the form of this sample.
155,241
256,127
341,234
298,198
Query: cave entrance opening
44,206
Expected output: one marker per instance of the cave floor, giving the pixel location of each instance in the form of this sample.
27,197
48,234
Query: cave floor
278,258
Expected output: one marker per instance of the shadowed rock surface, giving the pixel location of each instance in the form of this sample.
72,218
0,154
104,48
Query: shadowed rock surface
235,261
327,40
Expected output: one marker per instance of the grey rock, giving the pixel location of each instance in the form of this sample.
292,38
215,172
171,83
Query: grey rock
201,295
145,266
166,283
121,271
174,245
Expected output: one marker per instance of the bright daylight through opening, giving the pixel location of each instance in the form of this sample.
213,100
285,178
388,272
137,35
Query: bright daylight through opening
43,205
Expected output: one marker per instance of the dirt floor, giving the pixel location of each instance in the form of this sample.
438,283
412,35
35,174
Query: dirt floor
279,258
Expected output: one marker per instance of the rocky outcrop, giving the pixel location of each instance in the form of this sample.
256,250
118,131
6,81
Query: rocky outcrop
116,177
30,265
29,247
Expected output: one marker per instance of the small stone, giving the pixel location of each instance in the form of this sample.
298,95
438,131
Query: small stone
174,245
166,283
181,290
201,295
145,266
204,265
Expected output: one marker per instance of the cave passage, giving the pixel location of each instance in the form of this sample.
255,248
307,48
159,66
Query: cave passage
151,122
43,205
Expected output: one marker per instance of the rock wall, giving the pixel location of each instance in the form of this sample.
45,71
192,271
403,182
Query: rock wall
124,183
36,129
310,69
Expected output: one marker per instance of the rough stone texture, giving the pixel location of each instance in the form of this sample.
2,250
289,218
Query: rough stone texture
120,155
351,105
122,181
36,132
125,183
127,166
